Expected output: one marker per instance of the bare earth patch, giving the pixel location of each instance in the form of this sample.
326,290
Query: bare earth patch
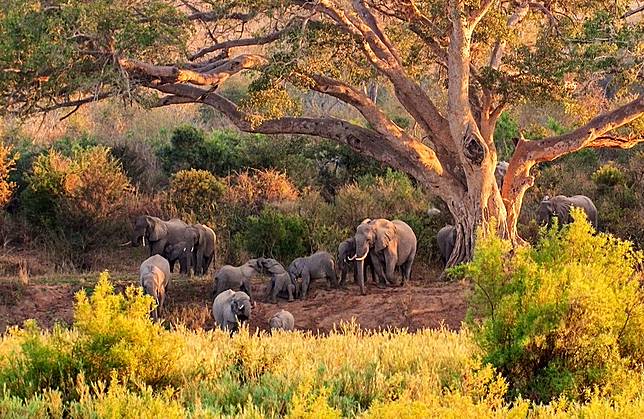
420,304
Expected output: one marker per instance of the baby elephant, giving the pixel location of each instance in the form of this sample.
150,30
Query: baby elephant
282,320
235,277
281,281
318,265
154,275
230,309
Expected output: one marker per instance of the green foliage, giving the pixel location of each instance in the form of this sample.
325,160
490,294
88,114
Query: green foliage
115,361
505,131
560,318
196,194
275,234
77,201
608,175
78,41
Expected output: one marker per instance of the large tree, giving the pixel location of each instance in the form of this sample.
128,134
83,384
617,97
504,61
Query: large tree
453,65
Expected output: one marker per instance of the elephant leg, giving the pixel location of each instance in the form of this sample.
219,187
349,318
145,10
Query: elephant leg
343,275
291,292
246,285
206,264
334,278
171,262
377,267
198,264
278,285
391,260
306,280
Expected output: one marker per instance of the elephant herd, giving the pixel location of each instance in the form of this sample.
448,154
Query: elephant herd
381,246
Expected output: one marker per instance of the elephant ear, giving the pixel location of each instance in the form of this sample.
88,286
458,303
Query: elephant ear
385,233
156,229
562,209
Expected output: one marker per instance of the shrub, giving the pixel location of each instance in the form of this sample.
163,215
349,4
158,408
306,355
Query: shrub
277,235
561,318
79,202
608,175
196,195
7,164
505,131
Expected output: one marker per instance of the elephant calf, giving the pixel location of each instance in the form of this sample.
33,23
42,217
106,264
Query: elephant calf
318,265
446,238
154,275
282,320
235,277
230,309
281,281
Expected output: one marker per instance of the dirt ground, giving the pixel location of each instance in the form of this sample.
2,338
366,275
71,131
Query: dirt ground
28,290
421,304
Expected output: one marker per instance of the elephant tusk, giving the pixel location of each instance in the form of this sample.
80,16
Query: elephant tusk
143,241
352,257
362,258
125,244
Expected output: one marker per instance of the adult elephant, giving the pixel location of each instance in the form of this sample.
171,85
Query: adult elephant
560,206
204,247
393,242
157,233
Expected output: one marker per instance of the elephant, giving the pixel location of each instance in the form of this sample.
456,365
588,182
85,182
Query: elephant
157,233
235,277
393,242
346,250
154,276
181,252
318,265
281,281
204,249
560,205
282,320
230,309
446,238
500,171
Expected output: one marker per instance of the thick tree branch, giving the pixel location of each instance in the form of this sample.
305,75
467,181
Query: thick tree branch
405,154
173,74
519,14
590,135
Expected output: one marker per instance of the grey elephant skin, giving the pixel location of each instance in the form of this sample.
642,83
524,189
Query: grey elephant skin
560,206
230,309
157,233
320,265
281,280
446,238
500,172
346,251
181,252
235,277
154,277
205,248
393,242
282,320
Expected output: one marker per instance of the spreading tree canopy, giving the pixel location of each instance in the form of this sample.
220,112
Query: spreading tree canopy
453,65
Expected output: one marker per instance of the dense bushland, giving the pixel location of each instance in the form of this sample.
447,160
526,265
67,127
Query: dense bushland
563,318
